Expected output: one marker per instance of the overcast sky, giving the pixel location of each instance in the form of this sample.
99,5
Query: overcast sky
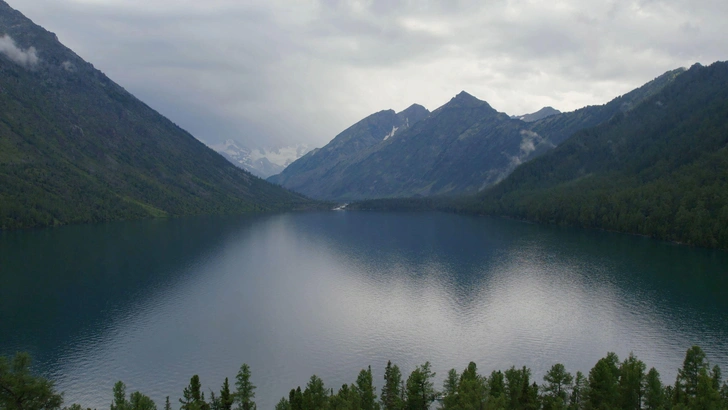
304,70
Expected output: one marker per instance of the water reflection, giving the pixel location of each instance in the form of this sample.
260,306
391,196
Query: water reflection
153,302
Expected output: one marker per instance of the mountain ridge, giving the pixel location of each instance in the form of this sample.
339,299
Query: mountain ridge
462,147
77,147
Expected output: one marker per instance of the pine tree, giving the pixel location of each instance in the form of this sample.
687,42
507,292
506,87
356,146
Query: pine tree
120,401
366,390
392,389
140,401
472,388
245,390
420,388
316,395
578,392
450,390
604,383
192,397
283,404
654,391
631,379
687,378
226,398
558,383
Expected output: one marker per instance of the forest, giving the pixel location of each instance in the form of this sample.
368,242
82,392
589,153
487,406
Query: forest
610,384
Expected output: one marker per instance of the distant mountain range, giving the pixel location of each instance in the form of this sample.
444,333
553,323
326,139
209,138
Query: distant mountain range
657,167
77,147
262,162
461,148
538,115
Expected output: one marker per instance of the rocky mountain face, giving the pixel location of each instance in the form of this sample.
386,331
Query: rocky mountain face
77,147
262,162
373,130
460,148
658,168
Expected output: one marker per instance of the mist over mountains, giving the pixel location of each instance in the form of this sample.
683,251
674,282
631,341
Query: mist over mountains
77,147
460,148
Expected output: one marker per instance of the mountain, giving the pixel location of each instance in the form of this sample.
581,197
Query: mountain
461,148
262,162
658,169
77,147
304,174
538,115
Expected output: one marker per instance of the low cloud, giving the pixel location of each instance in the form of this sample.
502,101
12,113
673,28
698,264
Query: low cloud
25,58
264,72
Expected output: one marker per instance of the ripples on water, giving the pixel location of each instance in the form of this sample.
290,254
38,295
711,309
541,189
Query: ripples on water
152,303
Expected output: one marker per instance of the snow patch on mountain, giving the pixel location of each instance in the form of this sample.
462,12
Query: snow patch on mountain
262,162
391,134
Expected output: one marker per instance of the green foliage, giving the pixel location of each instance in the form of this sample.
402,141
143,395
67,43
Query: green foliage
75,148
610,385
558,383
654,391
20,390
192,396
366,391
631,383
226,398
315,396
579,392
420,388
245,390
604,383
392,391
660,169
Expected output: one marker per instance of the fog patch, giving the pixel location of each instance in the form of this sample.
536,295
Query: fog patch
25,58
68,66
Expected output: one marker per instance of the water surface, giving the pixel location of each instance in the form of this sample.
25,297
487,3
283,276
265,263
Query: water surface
154,302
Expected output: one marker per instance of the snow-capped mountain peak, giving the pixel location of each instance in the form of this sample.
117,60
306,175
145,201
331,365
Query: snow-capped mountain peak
262,162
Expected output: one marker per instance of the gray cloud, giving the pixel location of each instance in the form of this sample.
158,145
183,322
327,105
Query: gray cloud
25,58
265,71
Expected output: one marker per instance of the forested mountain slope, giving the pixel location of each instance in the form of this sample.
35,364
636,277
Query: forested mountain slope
660,169
461,148
313,172
76,147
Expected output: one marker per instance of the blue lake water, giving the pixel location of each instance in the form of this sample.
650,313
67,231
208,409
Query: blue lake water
153,302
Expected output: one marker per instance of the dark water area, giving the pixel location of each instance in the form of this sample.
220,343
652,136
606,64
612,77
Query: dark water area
153,302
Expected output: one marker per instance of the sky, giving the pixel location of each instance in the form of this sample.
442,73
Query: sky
274,72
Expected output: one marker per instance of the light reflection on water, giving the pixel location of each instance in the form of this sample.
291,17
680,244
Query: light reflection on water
152,303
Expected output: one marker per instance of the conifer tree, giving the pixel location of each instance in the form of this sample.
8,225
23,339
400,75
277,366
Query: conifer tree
604,383
226,398
366,391
392,389
654,391
558,383
420,388
245,390
631,380
450,390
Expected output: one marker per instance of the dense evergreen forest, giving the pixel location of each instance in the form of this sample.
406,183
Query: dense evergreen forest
75,147
610,384
660,170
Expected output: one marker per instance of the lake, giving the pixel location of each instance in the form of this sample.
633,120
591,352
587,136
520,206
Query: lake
153,302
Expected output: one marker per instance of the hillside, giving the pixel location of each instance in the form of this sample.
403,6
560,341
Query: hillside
660,169
315,172
461,148
76,147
